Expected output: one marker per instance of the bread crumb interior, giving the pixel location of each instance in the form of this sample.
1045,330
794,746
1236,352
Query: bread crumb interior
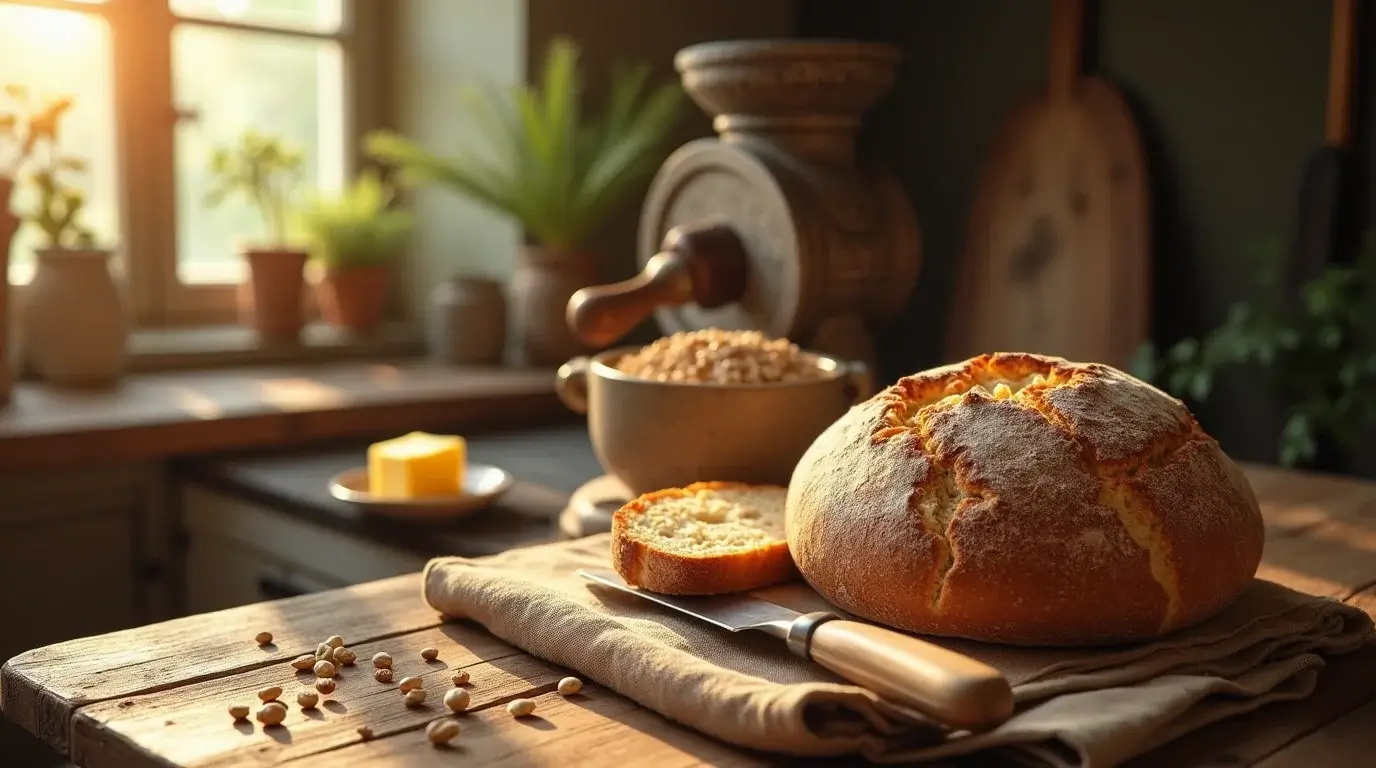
712,522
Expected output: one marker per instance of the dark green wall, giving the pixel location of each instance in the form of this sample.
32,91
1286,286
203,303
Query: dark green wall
1229,97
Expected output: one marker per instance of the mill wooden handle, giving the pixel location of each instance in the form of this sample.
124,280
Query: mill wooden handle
952,689
1342,60
600,315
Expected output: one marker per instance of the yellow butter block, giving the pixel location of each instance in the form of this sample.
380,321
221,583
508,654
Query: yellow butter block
417,465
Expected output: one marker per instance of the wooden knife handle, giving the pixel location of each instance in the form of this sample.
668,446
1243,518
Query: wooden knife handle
952,689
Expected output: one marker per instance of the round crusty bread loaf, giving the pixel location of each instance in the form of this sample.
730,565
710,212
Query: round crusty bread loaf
1023,499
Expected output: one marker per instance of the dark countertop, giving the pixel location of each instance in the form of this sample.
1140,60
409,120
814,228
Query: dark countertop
549,464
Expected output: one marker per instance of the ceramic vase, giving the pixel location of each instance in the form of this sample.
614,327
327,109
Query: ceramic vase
538,297
274,303
467,324
353,299
75,325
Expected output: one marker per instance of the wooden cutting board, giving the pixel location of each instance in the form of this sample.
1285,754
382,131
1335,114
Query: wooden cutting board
1057,253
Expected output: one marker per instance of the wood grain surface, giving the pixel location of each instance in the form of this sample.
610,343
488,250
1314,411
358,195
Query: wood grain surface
1057,256
158,695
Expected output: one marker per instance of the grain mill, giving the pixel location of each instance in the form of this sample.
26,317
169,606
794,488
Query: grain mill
772,225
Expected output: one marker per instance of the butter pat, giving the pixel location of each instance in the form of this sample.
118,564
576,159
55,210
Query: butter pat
417,465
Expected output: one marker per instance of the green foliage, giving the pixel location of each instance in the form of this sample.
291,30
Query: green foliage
554,169
30,133
356,228
1312,353
266,171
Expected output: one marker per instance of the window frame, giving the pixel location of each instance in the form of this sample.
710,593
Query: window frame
145,125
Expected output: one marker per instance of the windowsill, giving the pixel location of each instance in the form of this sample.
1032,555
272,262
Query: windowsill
224,346
231,345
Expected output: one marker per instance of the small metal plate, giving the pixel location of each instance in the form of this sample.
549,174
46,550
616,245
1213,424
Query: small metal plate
482,484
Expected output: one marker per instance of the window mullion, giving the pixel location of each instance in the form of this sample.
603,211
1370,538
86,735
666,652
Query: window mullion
145,122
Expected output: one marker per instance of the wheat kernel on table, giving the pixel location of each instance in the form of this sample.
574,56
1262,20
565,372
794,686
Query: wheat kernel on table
430,654
271,693
307,699
520,707
457,699
325,685
382,675
239,711
461,677
441,732
382,660
334,641
303,662
569,686
324,669
263,638
415,697
409,684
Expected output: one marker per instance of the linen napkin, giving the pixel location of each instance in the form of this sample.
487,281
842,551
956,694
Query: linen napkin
1087,708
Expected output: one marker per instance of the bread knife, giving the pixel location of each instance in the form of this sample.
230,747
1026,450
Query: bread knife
952,689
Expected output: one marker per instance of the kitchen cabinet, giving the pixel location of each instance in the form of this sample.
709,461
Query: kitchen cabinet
82,552
240,552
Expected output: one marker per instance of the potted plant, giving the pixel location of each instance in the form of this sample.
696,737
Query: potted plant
557,170
21,127
265,171
353,237
74,322
1306,344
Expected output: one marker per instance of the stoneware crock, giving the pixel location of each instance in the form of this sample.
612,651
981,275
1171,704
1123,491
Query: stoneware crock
653,434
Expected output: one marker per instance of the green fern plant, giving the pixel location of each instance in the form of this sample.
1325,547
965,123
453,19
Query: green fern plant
266,171
356,228
1312,352
33,137
556,170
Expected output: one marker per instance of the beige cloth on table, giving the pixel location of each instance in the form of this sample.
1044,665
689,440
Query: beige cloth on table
1092,708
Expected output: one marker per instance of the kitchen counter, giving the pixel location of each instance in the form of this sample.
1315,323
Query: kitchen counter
549,463
151,417
155,696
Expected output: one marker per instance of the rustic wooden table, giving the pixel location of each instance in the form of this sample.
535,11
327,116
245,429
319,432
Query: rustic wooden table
157,695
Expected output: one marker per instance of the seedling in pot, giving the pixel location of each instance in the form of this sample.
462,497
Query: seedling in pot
35,140
265,171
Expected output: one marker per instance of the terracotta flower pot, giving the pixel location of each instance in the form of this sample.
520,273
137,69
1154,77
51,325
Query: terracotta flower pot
539,293
353,298
276,284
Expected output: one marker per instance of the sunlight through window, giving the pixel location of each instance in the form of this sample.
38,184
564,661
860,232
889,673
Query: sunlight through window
51,53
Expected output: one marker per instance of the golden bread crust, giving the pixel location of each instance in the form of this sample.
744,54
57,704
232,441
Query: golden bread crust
1024,499
643,565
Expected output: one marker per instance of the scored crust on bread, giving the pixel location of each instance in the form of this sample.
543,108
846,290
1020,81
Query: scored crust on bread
1024,499
704,539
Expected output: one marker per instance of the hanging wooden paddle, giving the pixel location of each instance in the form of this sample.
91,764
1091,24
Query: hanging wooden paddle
1057,253
1325,220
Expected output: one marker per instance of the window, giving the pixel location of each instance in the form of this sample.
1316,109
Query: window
157,84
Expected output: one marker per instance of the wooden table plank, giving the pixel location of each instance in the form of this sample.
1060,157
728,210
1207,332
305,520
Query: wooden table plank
157,696
594,728
1349,741
40,690
189,725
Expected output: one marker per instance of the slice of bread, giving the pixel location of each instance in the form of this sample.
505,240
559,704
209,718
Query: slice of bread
705,539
